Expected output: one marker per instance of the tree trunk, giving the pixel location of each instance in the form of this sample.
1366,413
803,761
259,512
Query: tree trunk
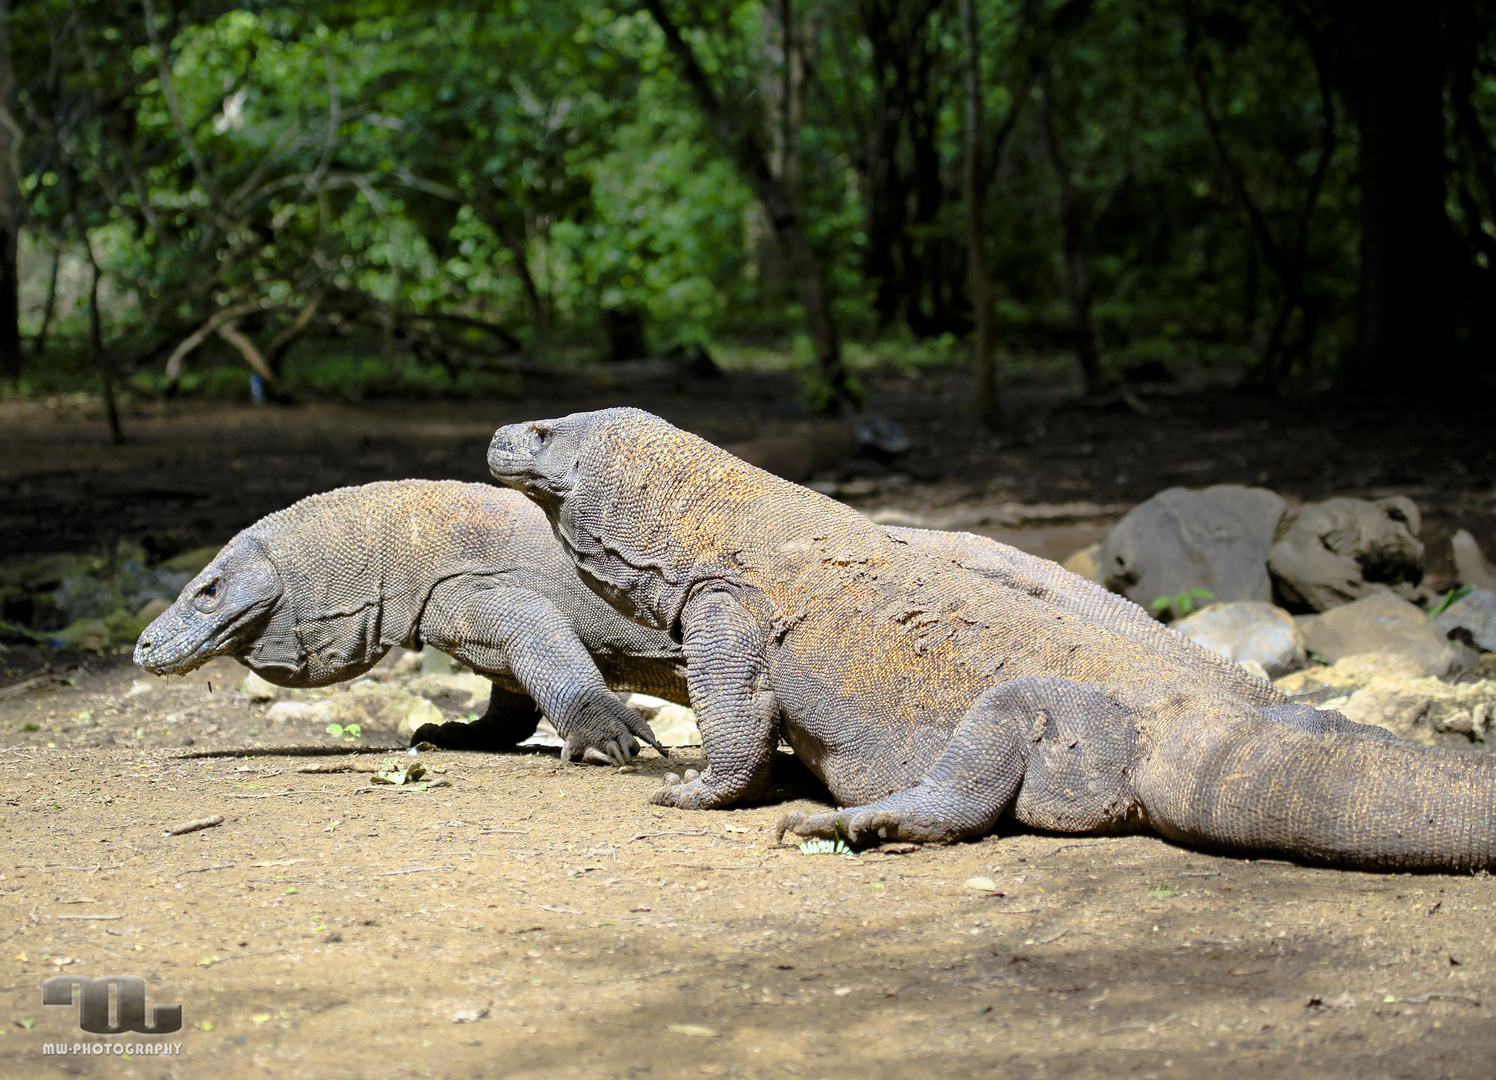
1077,259
741,141
12,210
50,307
974,192
782,90
1409,260
96,341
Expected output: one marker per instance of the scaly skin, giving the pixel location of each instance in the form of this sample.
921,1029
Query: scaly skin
319,592
932,700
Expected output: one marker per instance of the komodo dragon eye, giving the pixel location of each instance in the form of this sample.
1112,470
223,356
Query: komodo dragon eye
207,595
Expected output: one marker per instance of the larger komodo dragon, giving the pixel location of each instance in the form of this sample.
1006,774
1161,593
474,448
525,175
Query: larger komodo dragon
931,701
320,592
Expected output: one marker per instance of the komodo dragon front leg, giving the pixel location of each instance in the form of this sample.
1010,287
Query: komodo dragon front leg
498,631
738,714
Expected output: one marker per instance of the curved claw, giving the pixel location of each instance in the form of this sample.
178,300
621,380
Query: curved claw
641,729
615,751
861,825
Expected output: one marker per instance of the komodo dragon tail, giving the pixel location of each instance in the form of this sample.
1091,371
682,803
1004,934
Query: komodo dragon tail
1345,799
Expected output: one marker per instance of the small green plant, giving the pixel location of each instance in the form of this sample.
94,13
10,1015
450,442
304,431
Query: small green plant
1162,892
1447,599
1182,604
350,732
824,847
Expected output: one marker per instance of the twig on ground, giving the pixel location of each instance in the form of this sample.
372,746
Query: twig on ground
194,826
414,870
672,832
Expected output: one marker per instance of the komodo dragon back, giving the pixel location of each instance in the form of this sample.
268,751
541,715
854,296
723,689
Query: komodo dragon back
931,700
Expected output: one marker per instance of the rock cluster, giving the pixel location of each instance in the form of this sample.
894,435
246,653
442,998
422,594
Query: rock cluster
409,689
1336,584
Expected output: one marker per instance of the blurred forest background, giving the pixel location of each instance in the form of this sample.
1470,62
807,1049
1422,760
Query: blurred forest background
397,199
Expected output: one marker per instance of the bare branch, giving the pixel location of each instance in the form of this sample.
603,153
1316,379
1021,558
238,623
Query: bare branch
229,331
198,336
282,342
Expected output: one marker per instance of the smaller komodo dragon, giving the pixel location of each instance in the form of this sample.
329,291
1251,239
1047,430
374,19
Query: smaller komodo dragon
319,592
932,701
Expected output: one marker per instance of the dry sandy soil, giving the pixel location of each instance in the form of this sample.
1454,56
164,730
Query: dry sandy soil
331,928
534,919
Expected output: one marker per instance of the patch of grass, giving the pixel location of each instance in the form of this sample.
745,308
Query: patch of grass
1449,598
1182,604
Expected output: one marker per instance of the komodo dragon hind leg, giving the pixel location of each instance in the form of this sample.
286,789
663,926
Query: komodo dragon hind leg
510,720
1057,753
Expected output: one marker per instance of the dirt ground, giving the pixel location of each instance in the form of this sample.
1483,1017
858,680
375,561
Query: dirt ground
525,918
332,928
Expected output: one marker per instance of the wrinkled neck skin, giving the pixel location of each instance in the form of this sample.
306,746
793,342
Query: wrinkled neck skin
275,654
651,516
647,591
315,640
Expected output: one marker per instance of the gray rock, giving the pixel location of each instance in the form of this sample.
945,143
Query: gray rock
461,691
1470,563
1248,631
1472,617
299,712
435,662
1086,562
260,689
1384,623
672,724
1341,550
383,711
1215,540
1391,692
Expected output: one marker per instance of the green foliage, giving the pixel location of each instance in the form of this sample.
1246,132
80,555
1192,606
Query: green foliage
1458,593
1182,604
437,188
350,732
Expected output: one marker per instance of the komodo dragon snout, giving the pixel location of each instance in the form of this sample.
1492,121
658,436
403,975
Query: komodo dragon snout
227,606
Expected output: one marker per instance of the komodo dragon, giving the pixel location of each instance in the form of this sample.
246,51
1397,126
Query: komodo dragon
931,701
320,592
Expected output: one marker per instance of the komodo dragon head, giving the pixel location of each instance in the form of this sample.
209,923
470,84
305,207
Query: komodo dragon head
235,607
610,480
